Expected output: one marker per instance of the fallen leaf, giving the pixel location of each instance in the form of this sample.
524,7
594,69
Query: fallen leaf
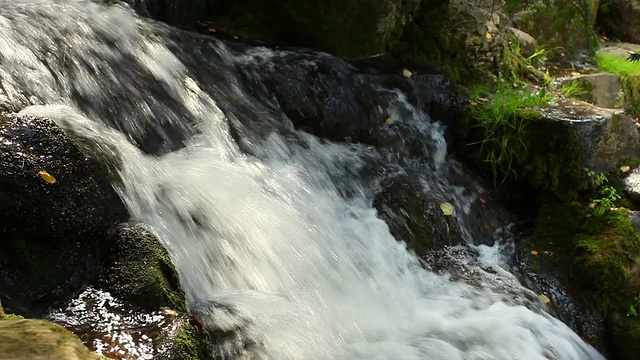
483,200
47,177
534,252
212,29
447,208
575,73
625,168
545,299
389,121
407,73
546,252
170,312
592,206
488,35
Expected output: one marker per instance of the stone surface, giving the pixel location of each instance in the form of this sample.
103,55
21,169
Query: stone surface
605,136
621,19
31,339
56,205
31,207
602,89
632,185
528,44
138,270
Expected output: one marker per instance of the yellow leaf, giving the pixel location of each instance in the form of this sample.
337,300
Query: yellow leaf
534,252
546,252
446,208
47,177
545,299
407,73
389,121
488,35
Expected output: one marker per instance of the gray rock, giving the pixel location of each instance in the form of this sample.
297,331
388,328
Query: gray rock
528,44
605,136
602,89
632,185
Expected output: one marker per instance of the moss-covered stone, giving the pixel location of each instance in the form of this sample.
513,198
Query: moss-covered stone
137,269
40,340
606,259
625,335
190,343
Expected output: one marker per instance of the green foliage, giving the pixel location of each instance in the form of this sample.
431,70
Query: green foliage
572,89
502,118
617,65
605,250
13,316
634,308
607,195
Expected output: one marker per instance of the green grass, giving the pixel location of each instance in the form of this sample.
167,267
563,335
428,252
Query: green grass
572,89
617,65
502,115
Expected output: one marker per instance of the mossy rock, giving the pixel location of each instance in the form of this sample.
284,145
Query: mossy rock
606,259
40,340
138,269
625,335
189,343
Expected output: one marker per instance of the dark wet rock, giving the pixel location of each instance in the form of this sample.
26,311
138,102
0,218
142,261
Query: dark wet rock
416,217
620,19
625,335
51,229
334,100
80,201
40,340
118,330
544,264
137,269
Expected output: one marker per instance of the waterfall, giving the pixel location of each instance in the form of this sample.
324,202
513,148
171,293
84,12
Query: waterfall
265,231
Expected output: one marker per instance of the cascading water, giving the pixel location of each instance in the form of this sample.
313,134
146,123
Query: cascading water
268,243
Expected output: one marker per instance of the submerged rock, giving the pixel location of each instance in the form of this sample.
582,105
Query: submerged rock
56,204
120,331
40,340
137,269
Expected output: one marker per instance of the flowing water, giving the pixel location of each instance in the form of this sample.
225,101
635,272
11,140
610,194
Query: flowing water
277,238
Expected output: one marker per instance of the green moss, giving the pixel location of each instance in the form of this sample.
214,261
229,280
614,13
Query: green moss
186,345
625,331
605,253
139,270
13,316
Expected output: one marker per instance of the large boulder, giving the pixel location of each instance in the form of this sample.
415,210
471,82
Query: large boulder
620,19
138,269
40,340
563,139
56,204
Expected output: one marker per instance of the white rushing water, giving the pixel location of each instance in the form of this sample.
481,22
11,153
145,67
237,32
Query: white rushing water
309,274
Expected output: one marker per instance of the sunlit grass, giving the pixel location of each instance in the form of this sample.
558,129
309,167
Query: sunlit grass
617,65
